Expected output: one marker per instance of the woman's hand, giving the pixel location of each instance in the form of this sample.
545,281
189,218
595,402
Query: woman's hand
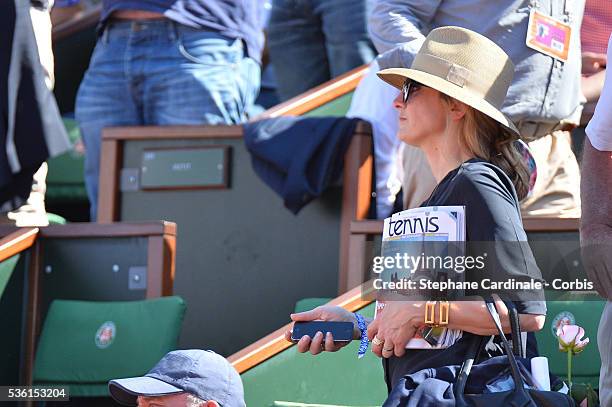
395,326
320,343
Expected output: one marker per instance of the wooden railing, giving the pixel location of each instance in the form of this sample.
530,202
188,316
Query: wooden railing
274,343
161,251
317,97
17,242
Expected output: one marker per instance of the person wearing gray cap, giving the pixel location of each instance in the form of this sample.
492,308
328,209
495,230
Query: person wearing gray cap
183,378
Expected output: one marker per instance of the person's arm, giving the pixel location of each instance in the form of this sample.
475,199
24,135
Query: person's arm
319,343
592,85
596,194
596,222
64,10
400,320
473,316
396,28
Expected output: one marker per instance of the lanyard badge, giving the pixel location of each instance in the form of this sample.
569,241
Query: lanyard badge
548,35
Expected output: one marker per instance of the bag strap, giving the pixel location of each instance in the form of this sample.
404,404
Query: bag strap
459,387
471,356
517,338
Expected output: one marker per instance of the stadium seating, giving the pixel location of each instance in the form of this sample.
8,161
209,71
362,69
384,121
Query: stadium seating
84,344
238,245
88,262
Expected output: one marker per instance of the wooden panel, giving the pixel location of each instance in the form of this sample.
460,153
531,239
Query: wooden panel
318,96
551,224
160,269
17,241
367,227
72,230
356,198
108,195
170,132
275,342
32,315
355,259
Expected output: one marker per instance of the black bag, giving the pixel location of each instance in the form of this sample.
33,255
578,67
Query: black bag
447,386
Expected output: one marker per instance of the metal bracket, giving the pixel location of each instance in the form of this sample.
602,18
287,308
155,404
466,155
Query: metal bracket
137,278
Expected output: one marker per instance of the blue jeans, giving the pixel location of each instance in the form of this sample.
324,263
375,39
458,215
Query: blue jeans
313,41
161,73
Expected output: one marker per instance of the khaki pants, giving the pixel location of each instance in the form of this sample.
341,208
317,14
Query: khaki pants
555,194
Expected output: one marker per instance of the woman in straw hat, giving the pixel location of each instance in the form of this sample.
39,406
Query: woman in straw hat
449,107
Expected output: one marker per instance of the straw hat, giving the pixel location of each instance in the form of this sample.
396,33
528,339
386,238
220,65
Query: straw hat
463,65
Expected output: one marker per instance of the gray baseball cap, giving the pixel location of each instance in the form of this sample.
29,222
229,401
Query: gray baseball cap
202,373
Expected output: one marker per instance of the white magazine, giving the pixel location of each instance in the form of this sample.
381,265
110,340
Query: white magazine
419,225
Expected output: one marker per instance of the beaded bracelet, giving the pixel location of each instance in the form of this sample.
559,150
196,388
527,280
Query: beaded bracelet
363,345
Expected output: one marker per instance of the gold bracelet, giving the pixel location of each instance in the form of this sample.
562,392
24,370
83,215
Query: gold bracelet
444,311
430,313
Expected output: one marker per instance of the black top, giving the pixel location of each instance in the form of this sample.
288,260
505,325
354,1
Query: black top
492,214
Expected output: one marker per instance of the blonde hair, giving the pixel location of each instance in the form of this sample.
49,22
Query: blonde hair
489,140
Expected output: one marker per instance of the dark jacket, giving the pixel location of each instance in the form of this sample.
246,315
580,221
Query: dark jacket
299,157
31,129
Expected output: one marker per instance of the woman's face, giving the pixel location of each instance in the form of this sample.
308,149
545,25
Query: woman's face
423,115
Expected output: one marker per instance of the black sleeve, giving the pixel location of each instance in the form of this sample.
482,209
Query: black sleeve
494,227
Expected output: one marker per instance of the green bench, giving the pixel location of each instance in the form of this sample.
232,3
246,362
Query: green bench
85,344
65,179
330,378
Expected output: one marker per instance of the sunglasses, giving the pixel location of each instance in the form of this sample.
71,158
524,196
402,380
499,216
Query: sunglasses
409,86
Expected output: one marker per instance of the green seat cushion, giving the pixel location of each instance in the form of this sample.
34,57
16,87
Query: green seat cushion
56,219
88,390
584,311
337,378
336,107
65,180
92,342
6,271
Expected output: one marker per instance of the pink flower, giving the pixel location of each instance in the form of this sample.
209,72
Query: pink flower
570,338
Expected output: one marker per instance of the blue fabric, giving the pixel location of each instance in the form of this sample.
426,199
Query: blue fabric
232,18
363,329
298,157
312,41
161,73
434,387
65,3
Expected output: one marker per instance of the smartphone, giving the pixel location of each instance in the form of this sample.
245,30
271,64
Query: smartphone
341,331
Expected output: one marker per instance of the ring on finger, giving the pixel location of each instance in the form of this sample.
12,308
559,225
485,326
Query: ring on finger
376,341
